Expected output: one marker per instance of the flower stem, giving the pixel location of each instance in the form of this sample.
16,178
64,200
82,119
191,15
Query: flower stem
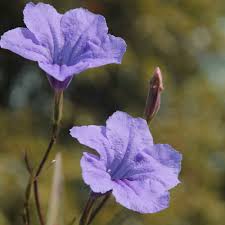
57,115
37,203
99,207
40,167
26,212
88,208
26,209
45,157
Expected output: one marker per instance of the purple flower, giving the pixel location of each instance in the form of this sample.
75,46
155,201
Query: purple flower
138,172
64,44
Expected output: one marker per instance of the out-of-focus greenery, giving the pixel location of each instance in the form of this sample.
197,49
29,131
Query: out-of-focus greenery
187,40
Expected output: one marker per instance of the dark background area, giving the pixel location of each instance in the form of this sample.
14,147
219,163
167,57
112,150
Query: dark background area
187,40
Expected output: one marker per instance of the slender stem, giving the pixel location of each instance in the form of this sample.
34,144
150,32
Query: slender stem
57,115
58,105
87,209
45,157
26,211
99,207
37,203
27,164
40,167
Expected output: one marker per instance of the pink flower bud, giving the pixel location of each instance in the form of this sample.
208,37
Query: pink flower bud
154,93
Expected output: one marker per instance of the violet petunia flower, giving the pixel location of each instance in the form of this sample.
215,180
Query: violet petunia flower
64,44
138,172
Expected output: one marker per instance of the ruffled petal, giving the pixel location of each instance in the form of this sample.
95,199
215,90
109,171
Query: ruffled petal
44,22
118,134
80,23
167,156
163,167
93,137
94,173
167,164
86,40
128,136
140,196
23,42
94,54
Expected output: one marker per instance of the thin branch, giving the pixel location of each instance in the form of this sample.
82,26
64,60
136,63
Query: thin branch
87,209
99,207
45,157
57,114
27,163
40,167
26,210
37,202
26,214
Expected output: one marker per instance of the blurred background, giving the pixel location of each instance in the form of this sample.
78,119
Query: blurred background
187,40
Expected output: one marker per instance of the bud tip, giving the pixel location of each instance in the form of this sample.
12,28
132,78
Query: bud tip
158,76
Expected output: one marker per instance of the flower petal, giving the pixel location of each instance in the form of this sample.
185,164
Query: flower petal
44,22
81,23
61,72
121,126
86,40
23,42
167,164
95,53
93,137
128,136
117,132
140,196
154,168
167,156
94,173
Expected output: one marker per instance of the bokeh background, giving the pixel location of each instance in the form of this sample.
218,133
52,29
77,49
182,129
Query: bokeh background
187,40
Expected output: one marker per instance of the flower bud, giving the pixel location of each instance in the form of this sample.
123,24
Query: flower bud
154,93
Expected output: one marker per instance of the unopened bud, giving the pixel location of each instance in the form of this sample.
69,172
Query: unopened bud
154,93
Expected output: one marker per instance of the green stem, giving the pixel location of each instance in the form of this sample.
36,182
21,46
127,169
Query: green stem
26,209
37,203
88,208
26,213
99,207
35,181
57,115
